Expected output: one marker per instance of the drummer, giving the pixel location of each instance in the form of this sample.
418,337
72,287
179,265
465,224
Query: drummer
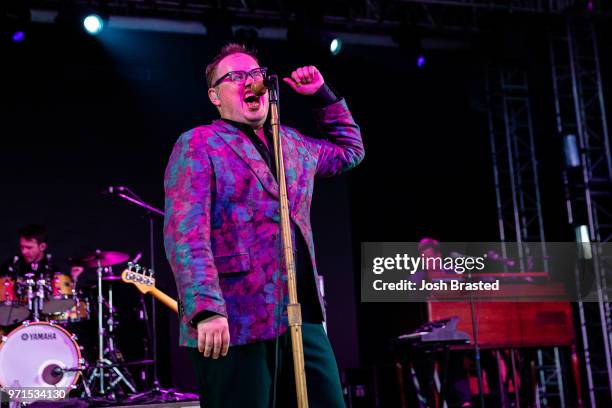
33,256
83,276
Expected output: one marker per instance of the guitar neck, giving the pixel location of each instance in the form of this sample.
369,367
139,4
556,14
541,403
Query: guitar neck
165,299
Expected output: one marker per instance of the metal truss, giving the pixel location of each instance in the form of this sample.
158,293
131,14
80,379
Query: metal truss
515,166
580,113
517,190
550,389
529,6
364,16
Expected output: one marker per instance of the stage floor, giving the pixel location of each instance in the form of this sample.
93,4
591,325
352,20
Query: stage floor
182,404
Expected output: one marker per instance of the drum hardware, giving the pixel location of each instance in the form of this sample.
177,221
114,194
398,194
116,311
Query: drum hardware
131,363
146,284
53,373
111,278
36,298
105,367
156,393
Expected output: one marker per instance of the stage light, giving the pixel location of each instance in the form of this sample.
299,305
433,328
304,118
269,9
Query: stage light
93,24
583,238
335,46
572,153
15,18
420,61
308,32
80,19
18,36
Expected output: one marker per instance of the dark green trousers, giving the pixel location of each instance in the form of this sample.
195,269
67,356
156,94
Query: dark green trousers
245,377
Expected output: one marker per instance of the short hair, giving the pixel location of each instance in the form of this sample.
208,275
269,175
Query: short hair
226,50
33,231
427,243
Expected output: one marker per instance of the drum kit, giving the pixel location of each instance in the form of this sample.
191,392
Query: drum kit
42,312
41,299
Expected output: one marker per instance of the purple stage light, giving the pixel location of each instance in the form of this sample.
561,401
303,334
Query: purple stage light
421,61
18,36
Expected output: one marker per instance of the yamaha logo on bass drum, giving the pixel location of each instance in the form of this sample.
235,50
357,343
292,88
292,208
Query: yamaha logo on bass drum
38,336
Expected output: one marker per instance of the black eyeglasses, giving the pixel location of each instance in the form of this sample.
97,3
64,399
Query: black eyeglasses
241,76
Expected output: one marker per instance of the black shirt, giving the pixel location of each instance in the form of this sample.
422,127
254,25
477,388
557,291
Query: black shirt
306,288
18,267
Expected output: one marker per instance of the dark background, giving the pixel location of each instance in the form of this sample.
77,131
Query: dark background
81,113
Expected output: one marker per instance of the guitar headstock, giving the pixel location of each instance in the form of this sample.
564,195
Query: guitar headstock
140,277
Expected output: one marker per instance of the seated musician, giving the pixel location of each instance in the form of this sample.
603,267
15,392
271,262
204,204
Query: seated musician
33,256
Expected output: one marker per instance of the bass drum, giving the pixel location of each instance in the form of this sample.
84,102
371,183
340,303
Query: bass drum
35,354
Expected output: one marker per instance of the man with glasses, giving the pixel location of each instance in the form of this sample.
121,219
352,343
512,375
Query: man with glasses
222,237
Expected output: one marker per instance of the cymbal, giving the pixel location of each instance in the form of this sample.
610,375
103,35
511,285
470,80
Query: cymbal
105,258
111,278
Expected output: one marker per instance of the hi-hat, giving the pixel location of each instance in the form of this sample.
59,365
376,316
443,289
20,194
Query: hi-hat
107,278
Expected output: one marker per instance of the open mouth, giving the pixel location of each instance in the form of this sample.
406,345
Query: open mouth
252,102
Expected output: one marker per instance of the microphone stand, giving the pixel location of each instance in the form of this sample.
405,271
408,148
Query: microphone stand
294,312
476,347
156,393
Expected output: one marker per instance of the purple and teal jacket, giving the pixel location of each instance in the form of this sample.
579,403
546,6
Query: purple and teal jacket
221,230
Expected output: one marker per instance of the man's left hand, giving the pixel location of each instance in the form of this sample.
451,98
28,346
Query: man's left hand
305,80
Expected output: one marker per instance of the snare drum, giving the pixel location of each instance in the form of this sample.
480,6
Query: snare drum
12,308
35,355
62,295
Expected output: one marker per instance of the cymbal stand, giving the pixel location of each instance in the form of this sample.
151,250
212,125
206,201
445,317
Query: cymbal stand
104,363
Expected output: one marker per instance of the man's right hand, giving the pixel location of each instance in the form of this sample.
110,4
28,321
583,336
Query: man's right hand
213,336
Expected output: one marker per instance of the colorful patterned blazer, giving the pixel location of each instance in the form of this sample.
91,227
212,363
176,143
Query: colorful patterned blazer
221,230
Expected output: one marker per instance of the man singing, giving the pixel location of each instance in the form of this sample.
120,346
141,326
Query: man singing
222,237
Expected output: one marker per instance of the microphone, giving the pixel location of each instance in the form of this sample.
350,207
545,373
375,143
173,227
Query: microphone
48,263
260,86
12,267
